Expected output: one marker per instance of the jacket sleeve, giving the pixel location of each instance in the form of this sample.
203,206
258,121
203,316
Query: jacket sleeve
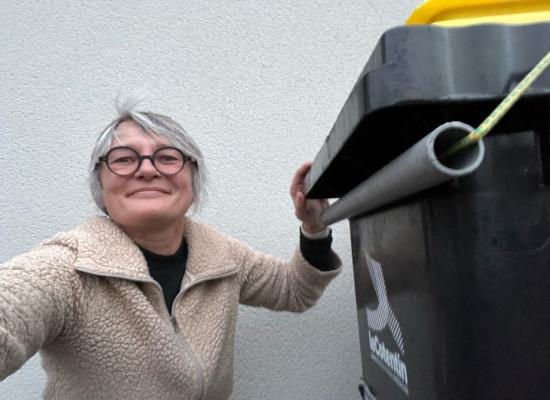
36,300
270,282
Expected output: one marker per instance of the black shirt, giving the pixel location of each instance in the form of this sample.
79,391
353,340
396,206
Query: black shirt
168,271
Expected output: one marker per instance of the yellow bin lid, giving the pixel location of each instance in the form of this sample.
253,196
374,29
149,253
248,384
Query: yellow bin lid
470,12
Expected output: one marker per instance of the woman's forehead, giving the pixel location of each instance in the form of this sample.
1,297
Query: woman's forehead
128,133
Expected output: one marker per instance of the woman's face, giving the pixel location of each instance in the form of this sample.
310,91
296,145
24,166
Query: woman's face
145,198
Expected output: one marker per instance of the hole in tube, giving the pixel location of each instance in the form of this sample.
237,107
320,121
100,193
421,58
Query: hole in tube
462,158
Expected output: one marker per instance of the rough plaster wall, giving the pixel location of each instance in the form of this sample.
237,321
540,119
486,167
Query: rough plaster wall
257,83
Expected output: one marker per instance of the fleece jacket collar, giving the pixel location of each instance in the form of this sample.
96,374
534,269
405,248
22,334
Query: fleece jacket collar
104,249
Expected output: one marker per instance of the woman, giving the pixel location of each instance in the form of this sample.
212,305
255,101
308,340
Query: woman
142,303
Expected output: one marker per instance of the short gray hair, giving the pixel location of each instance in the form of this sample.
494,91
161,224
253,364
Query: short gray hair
153,125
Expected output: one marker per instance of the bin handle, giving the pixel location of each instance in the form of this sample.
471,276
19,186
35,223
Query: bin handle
418,168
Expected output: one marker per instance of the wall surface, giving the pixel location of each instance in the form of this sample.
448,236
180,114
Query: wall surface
257,83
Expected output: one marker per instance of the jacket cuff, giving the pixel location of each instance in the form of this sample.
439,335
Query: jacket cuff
318,252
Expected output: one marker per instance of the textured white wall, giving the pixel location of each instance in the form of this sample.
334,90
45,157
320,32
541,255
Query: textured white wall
257,83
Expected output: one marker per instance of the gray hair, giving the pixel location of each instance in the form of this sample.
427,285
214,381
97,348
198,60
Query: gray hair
153,125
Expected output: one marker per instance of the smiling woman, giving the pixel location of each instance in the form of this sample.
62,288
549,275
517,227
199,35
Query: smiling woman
142,303
135,192
158,128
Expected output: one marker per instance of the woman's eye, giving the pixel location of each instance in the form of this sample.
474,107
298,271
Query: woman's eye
123,160
166,159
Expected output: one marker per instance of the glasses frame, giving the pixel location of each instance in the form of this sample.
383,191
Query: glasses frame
140,158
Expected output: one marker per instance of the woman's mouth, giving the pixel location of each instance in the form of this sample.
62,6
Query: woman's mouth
149,191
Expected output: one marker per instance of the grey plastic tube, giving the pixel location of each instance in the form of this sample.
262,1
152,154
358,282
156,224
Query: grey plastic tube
418,168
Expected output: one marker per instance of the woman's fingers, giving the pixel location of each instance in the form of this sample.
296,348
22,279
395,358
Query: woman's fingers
306,210
298,179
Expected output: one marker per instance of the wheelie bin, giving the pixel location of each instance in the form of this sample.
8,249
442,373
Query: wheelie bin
452,283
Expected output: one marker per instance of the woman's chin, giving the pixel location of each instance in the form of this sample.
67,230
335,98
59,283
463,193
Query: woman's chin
143,214
148,217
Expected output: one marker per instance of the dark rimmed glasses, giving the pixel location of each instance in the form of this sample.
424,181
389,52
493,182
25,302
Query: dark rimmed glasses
125,161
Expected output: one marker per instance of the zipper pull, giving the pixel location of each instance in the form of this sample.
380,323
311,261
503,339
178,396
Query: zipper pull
175,324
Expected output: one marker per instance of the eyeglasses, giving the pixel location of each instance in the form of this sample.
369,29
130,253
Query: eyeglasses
125,161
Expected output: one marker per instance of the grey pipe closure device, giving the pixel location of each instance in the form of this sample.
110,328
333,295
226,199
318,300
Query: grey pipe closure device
418,168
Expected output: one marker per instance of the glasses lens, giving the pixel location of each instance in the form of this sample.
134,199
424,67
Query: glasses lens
169,160
123,161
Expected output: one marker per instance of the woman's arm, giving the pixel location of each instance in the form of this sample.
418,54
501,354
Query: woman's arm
36,301
270,282
298,284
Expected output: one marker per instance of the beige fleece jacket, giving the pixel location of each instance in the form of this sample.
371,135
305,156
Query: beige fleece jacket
86,301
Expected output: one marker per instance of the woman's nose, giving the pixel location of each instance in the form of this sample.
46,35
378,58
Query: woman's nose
147,168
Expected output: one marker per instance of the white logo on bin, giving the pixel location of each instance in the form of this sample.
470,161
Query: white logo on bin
379,319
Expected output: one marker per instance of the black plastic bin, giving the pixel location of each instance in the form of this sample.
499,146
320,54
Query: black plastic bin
453,283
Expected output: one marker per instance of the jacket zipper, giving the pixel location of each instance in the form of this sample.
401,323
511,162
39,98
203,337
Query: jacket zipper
197,365
194,357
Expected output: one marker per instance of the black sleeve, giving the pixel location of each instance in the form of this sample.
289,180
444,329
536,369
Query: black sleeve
318,252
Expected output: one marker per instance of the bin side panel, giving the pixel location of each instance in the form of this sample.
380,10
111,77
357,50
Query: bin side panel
509,241
394,307
463,273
